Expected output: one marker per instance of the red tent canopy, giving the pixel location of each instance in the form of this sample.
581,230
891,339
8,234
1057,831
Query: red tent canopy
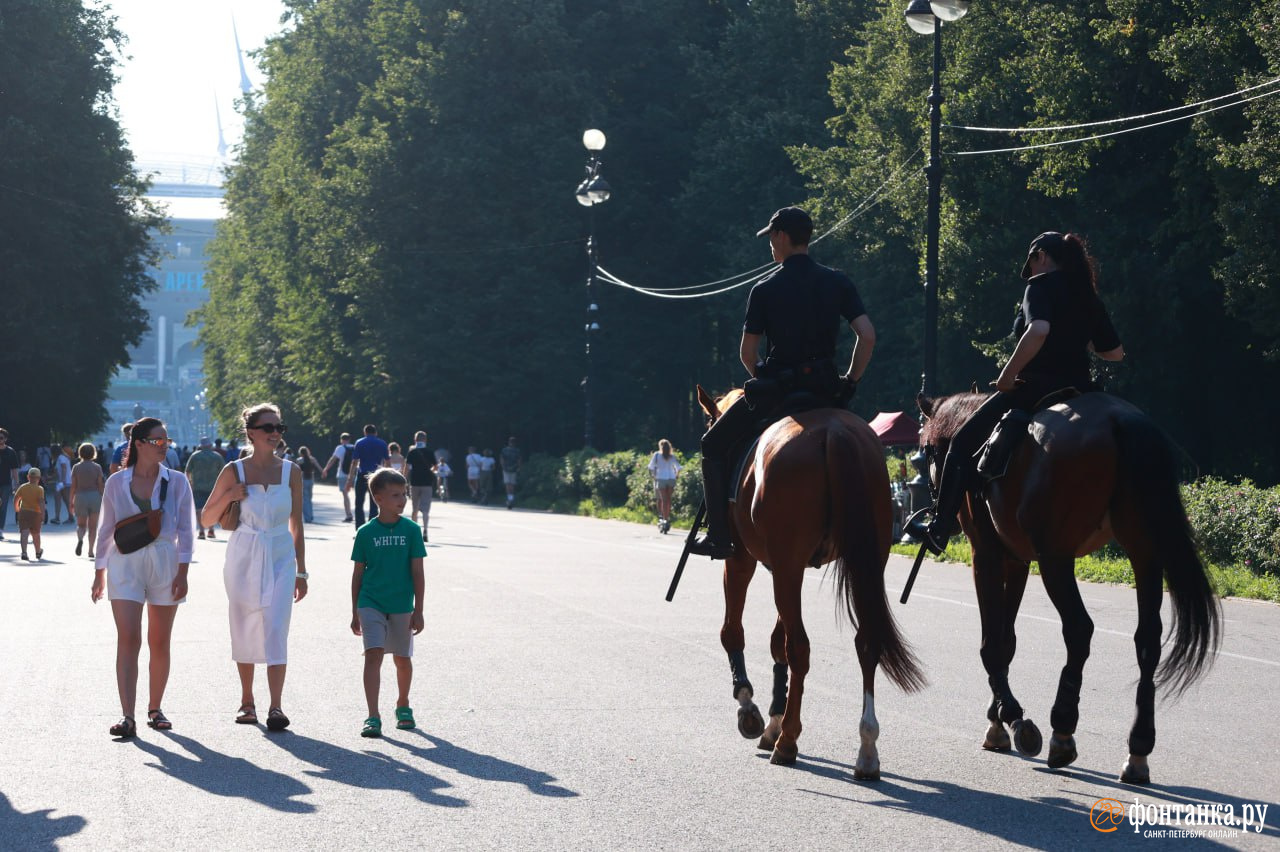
896,429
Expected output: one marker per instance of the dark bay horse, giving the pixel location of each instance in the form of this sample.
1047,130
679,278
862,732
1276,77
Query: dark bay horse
1093,468
815,491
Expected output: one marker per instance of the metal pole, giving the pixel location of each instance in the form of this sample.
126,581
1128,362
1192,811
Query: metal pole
932,226
588,427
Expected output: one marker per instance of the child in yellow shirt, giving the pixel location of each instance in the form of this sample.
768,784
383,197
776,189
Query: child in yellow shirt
28,505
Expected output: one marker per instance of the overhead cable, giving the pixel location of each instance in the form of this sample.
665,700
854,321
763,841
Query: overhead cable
1112,133
1123,120
756,275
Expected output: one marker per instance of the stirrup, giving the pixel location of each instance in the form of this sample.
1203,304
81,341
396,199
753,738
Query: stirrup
925,534
707,546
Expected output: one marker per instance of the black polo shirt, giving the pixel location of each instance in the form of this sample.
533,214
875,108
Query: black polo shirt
1076,318
798,310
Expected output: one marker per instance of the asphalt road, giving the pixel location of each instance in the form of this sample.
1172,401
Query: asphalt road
563,704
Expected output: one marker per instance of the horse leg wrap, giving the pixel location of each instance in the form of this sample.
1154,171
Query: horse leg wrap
1065,714
779,703
1009,708
738,667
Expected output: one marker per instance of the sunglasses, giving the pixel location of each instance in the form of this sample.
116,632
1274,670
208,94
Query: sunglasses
272,428
156,442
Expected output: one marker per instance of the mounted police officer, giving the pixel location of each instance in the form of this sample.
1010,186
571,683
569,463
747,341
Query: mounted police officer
797,311
1060,322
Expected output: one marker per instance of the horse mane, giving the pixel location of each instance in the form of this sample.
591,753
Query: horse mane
944,415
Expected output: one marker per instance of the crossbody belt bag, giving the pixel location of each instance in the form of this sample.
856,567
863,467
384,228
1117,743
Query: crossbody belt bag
137,531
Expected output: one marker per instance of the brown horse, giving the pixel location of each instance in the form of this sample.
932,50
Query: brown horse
816,491
1094,468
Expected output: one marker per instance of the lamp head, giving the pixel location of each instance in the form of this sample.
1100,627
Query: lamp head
593,140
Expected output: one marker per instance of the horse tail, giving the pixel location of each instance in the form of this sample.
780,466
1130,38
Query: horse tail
860,560
1148,469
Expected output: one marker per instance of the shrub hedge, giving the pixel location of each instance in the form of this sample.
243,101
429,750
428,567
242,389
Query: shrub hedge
1236,523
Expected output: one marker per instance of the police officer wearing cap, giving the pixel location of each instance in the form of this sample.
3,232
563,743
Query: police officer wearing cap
1061,320
796,312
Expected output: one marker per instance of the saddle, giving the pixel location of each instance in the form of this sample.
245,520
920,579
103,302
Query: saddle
997,452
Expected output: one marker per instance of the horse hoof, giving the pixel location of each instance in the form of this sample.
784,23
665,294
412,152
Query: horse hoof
1027,738
1062,751
784,755
997,738
750,723
866,774
1135,773
767,742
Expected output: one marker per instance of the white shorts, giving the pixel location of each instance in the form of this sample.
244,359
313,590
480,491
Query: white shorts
145,576
392,632
508,478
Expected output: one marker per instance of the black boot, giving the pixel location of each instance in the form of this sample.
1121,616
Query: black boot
938,531
717,543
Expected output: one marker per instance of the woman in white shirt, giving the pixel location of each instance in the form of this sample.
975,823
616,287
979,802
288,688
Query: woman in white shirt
155,575
664,467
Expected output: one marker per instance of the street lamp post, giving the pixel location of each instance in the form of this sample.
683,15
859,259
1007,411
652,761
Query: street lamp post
926,18
593,190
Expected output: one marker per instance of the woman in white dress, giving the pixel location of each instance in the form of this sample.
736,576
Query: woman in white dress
265,571
154,576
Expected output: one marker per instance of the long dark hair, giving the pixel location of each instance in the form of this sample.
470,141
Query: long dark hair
1073,258
141,429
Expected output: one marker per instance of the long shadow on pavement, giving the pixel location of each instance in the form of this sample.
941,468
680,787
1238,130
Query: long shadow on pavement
35,831
232,777
1040,823
483,766
366,770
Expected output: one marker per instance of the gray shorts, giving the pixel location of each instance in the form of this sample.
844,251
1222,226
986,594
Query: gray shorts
666,483
508,478
88,503
389,631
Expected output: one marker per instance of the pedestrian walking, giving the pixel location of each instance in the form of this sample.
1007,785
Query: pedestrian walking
62,483
487,465
370,454
510,457
28,507
87,485
422,479
342,458
664,467
202,470
395,460
310,468
473,462
154,574
265,572
386,595
117,455
10,462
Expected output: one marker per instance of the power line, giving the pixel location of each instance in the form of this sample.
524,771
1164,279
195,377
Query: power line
1110,120
673,292
1112,133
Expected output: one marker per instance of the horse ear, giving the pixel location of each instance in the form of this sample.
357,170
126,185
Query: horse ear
973,388
925,405
708,404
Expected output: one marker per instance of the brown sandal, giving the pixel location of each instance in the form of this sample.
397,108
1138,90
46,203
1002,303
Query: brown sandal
247,715
156,720
124,729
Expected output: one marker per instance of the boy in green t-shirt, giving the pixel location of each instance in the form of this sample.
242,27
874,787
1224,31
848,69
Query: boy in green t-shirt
386,594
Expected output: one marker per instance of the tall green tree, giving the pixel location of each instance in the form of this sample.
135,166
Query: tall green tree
73,217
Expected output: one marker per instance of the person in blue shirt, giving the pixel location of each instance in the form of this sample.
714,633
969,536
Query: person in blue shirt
371,453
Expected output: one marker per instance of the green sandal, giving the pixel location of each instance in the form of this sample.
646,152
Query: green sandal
372,727
404,718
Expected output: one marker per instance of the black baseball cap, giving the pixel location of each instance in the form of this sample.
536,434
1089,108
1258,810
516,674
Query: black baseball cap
791,220
1051,242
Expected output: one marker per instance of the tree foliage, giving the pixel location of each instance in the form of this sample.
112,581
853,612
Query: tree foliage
73,218
403,247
